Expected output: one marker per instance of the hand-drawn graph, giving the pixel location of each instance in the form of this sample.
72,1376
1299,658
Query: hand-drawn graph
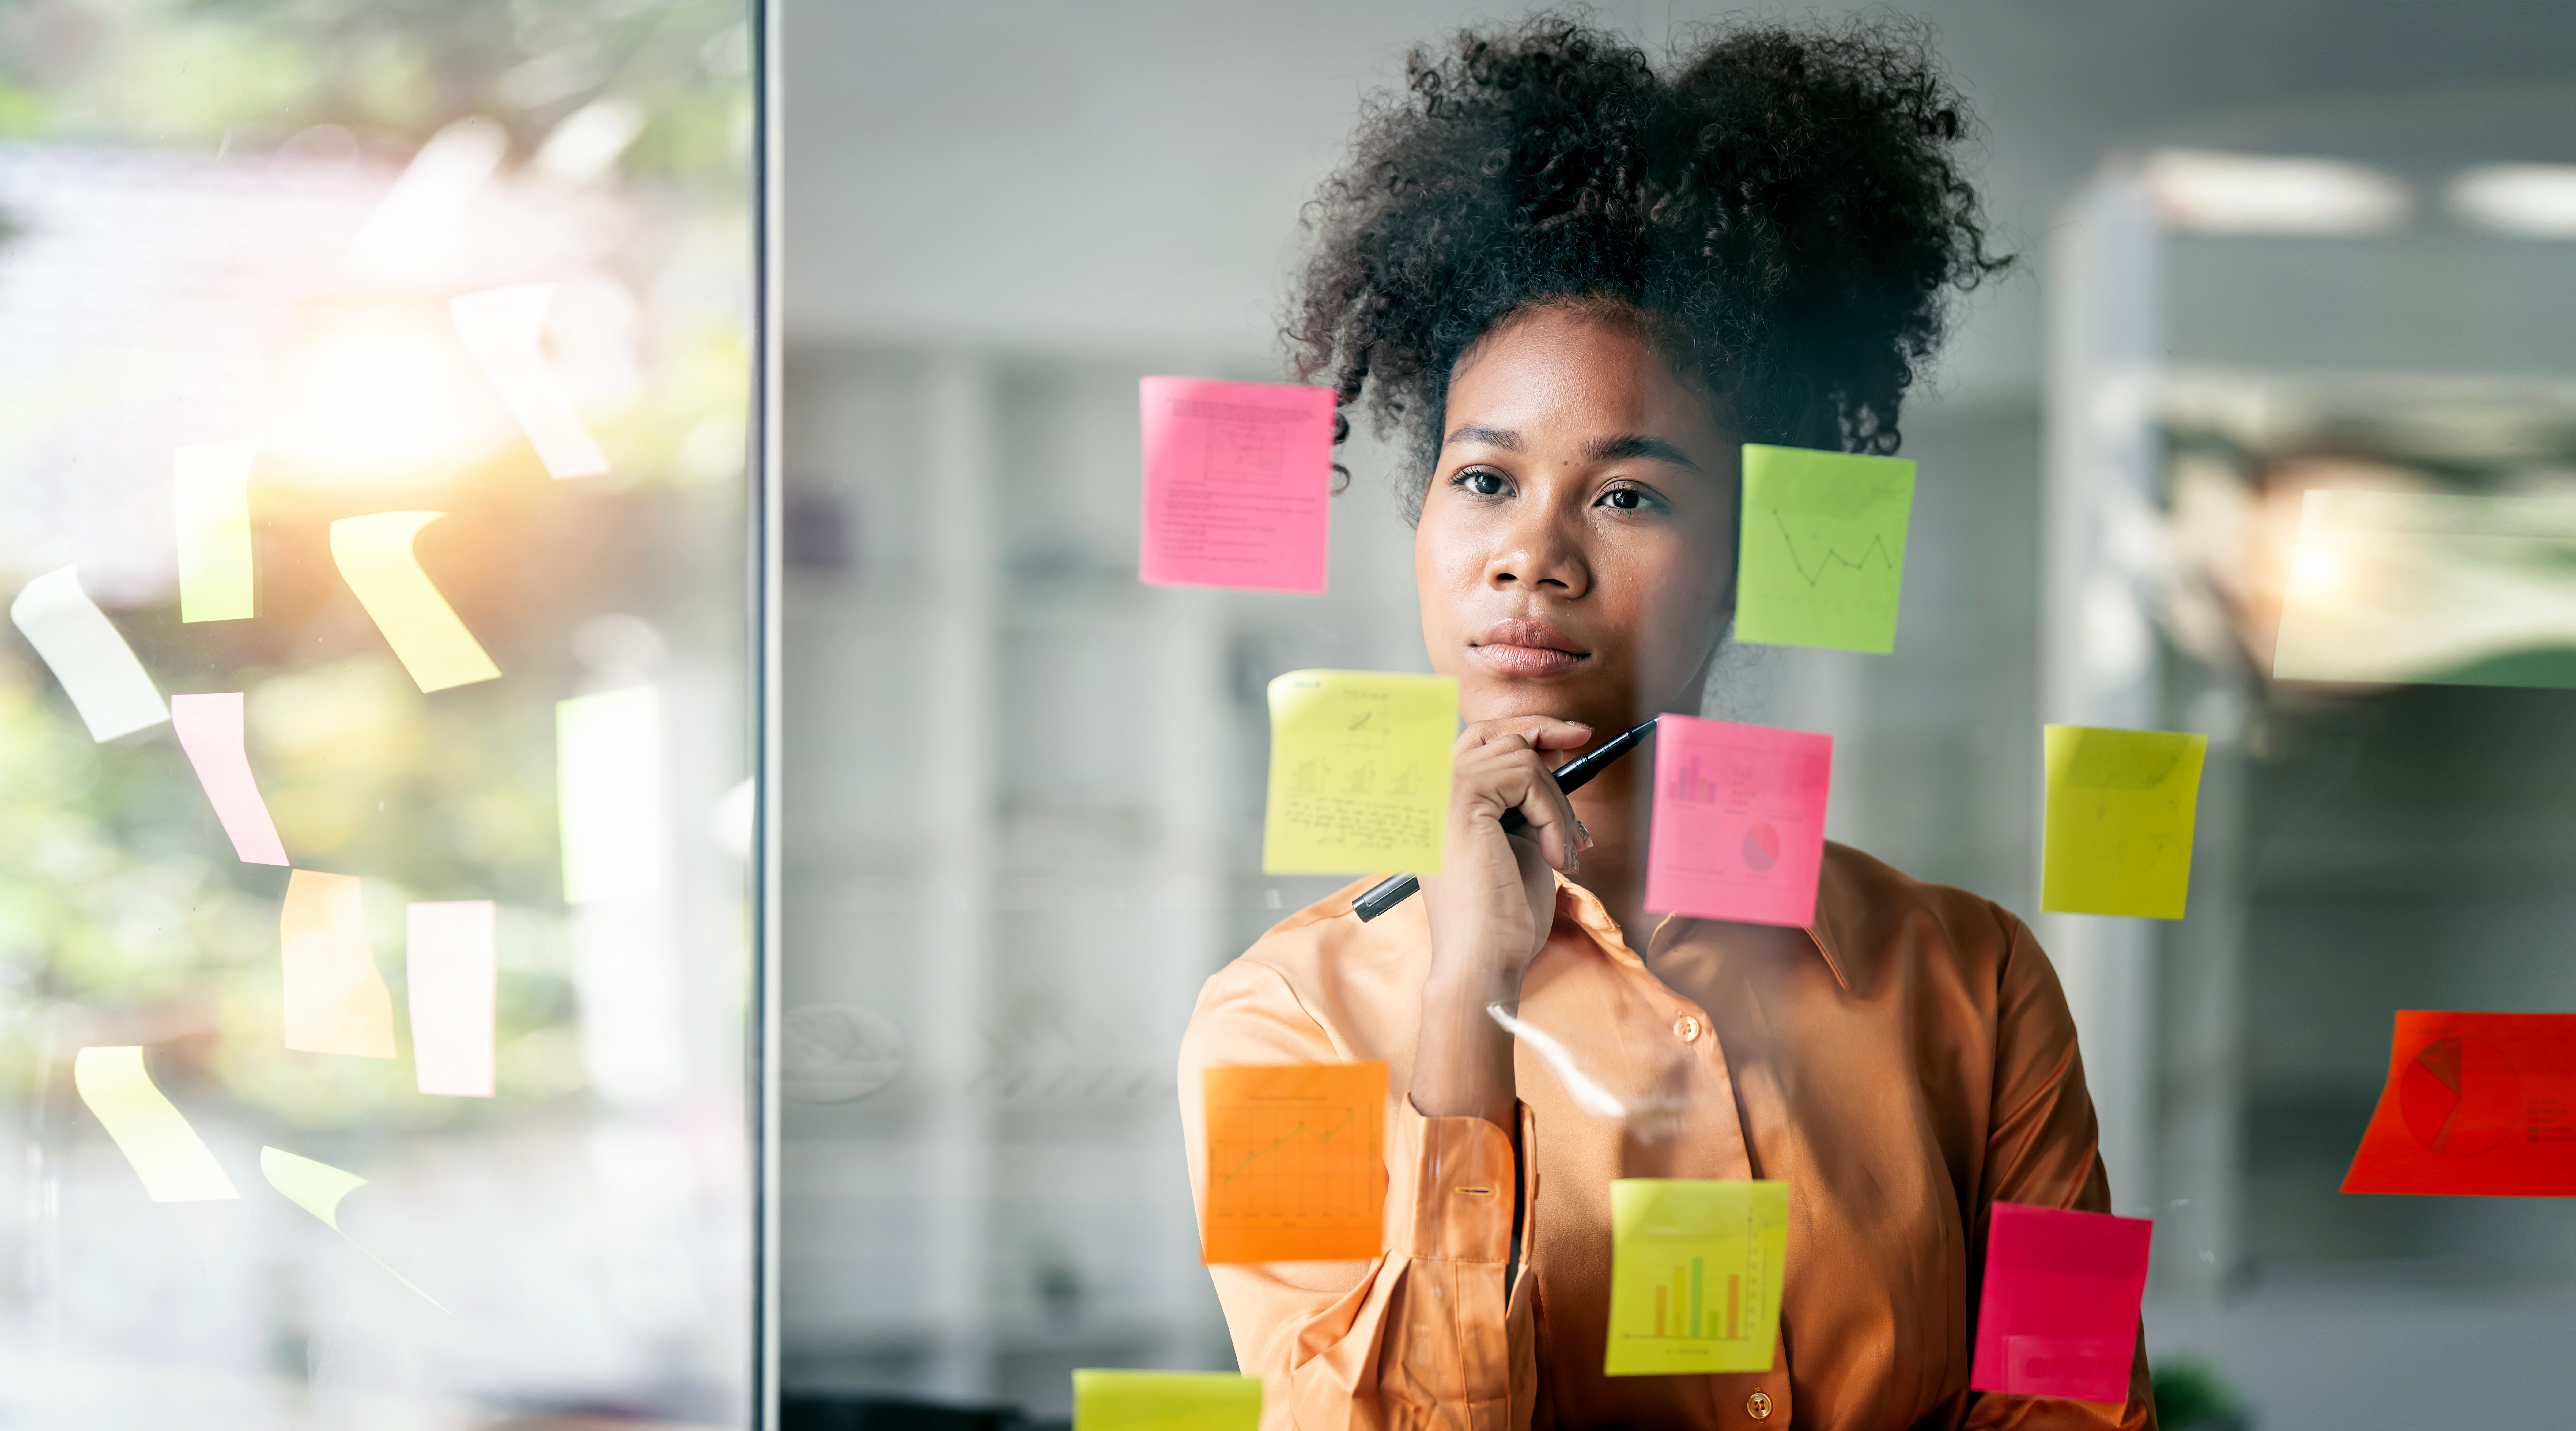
2119,820
1695,1274
1238,482
1739,821
1824,548
1296,1165
1359,772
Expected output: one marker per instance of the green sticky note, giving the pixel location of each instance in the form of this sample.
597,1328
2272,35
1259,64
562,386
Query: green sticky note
1696,1267
2120,808
1165,1401
1359,772
1823,548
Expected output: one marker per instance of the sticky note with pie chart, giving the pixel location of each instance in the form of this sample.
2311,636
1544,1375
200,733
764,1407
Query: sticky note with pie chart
1739,821
2119,820
2476,1105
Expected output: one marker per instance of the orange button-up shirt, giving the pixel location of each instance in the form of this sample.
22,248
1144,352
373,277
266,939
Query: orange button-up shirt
1905,1062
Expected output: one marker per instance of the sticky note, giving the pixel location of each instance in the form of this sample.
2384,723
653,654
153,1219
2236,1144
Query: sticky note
2059,1314
2410,587
210,497
97,669
375,557
2120,807
608,794
318,1188
336,1001
1738,830
1695,1274
1238,484
1359,772
1823,548
451,974
154,1136
1165,1401
1296,1166
501,328
2480,1105
210,730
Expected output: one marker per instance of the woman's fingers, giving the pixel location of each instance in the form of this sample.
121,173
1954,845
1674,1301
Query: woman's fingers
1531,732
1506,775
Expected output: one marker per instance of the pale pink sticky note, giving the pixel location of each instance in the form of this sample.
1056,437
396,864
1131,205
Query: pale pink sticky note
210,730
1238,481
450,967
2059,1315
1739,826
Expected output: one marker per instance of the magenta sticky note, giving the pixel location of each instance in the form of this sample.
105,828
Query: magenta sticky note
1238,483
210,730
2060,1311
1739,823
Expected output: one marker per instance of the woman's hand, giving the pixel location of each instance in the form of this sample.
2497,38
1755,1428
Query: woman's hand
1491,907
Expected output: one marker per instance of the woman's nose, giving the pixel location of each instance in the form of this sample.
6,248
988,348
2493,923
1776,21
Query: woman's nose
1540,554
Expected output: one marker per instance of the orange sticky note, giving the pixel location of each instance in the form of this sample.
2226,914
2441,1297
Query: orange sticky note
336,1001
1296,1162
2480,1105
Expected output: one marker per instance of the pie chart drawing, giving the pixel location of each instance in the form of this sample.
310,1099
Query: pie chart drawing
1761,847
2460,1097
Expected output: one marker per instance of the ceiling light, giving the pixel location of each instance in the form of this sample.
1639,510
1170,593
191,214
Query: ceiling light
2198,191
2524,200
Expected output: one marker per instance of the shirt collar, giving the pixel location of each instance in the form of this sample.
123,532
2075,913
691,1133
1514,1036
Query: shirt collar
1586,910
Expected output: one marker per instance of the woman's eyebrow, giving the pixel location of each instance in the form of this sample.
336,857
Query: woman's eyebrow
1502,437
1613,448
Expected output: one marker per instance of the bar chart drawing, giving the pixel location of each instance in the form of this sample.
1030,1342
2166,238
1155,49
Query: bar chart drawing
1695,1276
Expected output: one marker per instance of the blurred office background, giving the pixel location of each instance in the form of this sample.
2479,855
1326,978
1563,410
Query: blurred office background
2268,247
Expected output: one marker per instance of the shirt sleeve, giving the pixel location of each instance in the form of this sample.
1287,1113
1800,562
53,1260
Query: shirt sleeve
1422,1335
2043,1150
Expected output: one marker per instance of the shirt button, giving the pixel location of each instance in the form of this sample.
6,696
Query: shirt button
1686,1028
1758,1406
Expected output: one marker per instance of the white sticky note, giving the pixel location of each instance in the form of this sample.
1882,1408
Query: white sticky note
210,730
452,970
98,670
375,557
501,328
148,1128
608,789
210,497
318,1188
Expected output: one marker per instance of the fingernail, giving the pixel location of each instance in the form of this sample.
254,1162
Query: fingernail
1586,834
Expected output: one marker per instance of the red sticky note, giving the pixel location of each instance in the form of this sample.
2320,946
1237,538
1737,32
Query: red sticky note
1238,480
1739,823
2475,1104
2060,1312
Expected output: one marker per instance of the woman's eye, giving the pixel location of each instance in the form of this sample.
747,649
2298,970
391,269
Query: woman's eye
1626,499
1483,484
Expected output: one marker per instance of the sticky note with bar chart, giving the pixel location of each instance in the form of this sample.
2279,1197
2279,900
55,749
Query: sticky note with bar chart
1739,821
1695,1274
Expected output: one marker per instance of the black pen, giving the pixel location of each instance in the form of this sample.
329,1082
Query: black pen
1570,777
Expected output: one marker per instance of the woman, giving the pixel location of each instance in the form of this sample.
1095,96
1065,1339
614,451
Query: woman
1579,284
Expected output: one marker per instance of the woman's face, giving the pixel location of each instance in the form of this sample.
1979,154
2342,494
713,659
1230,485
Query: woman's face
1578,537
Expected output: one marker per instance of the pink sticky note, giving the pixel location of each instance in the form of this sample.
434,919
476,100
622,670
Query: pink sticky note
210,730
1238,480
2060,1312
1739,828
452,972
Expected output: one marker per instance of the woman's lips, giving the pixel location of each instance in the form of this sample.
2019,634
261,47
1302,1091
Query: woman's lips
1526,648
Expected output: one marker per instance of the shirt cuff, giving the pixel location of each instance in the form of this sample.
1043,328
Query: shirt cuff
1465,1187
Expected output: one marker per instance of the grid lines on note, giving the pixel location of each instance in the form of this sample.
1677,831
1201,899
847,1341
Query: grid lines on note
1296,1165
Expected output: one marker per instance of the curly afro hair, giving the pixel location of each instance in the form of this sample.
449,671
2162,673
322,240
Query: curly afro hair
1784,209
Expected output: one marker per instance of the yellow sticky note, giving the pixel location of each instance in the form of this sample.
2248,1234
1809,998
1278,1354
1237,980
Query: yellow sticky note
608,794
318,1188
336,1001
2120,807
1696,1267
210,496
1359,772
166,1153
375,558
1165,1401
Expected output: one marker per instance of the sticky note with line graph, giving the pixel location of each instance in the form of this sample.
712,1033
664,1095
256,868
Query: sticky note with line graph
1696,1267
1823,548
1296,1162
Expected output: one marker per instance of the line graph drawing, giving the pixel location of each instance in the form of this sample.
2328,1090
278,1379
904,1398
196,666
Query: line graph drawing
1832,558
1296,1165
1824,548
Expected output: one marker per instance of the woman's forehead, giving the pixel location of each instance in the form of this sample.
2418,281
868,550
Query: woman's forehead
1559,378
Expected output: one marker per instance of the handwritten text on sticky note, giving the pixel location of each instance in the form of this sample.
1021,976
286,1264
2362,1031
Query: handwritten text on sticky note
2119,820
166,1153
1238,484
2059,1314
1824,548
1165,1401
2474,1105
1695,1274
210,730
1739,821
375,557
98,670
336,1001
1296,1162
1359,772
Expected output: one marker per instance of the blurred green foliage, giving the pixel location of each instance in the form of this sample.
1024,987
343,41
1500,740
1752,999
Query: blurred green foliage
2192,1397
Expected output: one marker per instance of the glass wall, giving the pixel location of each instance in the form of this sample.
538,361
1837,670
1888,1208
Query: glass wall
375,718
